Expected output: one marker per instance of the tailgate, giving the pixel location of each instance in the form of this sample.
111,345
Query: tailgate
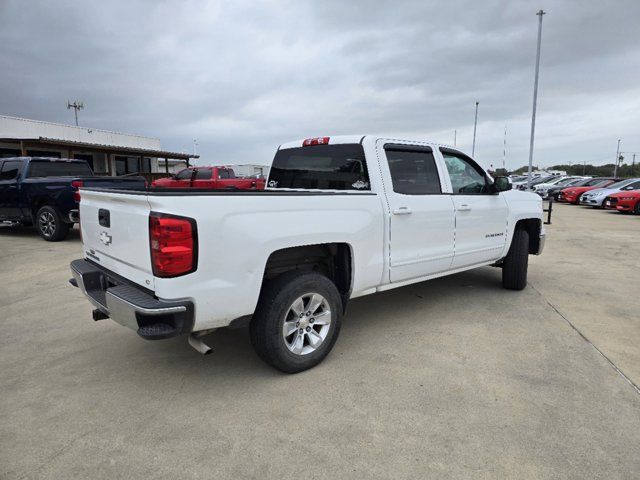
115,233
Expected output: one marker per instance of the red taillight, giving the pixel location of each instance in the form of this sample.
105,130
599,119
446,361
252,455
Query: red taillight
315,141
174,245
76,194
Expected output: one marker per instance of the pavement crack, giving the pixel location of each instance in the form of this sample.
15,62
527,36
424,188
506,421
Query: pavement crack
584,337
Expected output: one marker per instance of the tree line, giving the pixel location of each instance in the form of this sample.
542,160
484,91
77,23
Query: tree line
624,171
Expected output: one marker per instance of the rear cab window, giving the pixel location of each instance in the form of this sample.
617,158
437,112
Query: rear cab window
38,169
320,167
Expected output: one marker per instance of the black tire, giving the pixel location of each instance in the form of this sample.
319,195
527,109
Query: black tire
636,210
50,224
276,300
514,267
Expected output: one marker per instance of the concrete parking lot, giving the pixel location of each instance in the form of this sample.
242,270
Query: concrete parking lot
453,378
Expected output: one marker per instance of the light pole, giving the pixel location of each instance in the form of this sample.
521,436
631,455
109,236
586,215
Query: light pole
535,96
475,124
76,105
615,167
504,149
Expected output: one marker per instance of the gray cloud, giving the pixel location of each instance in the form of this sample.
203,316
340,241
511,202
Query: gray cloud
242,77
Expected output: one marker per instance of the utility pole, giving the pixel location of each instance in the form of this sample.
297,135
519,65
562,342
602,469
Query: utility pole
475,124
535,96
633,165
455,137
195,144
615,167
76,105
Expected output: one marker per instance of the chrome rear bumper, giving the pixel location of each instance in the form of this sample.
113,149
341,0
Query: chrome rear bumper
130,305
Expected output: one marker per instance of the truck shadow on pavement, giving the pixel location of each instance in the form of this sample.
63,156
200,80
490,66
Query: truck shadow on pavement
368,322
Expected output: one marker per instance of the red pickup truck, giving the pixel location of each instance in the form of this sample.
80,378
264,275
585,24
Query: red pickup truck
210,177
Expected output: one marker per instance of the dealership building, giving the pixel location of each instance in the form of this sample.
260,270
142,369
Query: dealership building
108,153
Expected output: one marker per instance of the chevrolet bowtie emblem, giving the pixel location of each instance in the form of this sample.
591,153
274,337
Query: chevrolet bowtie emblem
105,238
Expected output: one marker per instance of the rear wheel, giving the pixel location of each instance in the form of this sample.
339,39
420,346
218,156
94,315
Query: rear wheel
297,321
50,224
516,263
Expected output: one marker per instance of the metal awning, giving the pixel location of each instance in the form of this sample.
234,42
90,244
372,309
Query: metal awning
105,148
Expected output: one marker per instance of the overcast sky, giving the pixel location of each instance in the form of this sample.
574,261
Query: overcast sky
242,77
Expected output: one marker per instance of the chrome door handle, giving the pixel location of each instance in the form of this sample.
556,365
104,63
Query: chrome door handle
402,211
464,207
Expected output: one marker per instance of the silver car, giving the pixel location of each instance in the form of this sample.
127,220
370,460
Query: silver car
595,198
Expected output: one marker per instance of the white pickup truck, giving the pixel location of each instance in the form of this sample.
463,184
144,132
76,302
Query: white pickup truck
341,217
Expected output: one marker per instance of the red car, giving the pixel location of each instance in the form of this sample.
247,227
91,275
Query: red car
572,194
209,177
624,201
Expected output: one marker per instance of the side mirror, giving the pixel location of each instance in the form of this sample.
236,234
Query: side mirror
501,184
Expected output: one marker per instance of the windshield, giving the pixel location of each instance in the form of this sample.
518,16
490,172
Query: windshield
540,180
555,181
595,181
568,181
620,184
582,183
46,168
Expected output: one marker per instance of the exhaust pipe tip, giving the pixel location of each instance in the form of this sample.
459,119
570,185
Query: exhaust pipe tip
199,345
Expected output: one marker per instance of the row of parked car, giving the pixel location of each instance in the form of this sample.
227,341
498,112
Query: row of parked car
599,192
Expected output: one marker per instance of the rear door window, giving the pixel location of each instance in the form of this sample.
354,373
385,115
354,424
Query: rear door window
322,167
203,174
226,173
413,172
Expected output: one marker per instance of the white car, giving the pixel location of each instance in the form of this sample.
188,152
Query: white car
595,198
342,217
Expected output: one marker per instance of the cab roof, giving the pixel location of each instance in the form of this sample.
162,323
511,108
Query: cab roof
342,139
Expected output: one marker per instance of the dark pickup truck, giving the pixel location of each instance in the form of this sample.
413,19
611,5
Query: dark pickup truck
44,192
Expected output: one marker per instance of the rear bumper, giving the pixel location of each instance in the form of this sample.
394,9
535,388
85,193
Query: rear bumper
130,305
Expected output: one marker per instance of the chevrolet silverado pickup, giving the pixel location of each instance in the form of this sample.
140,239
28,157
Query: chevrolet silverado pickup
215,178
44,192
341,217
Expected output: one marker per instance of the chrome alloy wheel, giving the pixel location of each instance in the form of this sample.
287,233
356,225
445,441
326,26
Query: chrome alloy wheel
306,323
47,223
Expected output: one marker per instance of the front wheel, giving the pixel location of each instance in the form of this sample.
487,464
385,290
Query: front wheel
297,321
50,224
636,210
516,263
